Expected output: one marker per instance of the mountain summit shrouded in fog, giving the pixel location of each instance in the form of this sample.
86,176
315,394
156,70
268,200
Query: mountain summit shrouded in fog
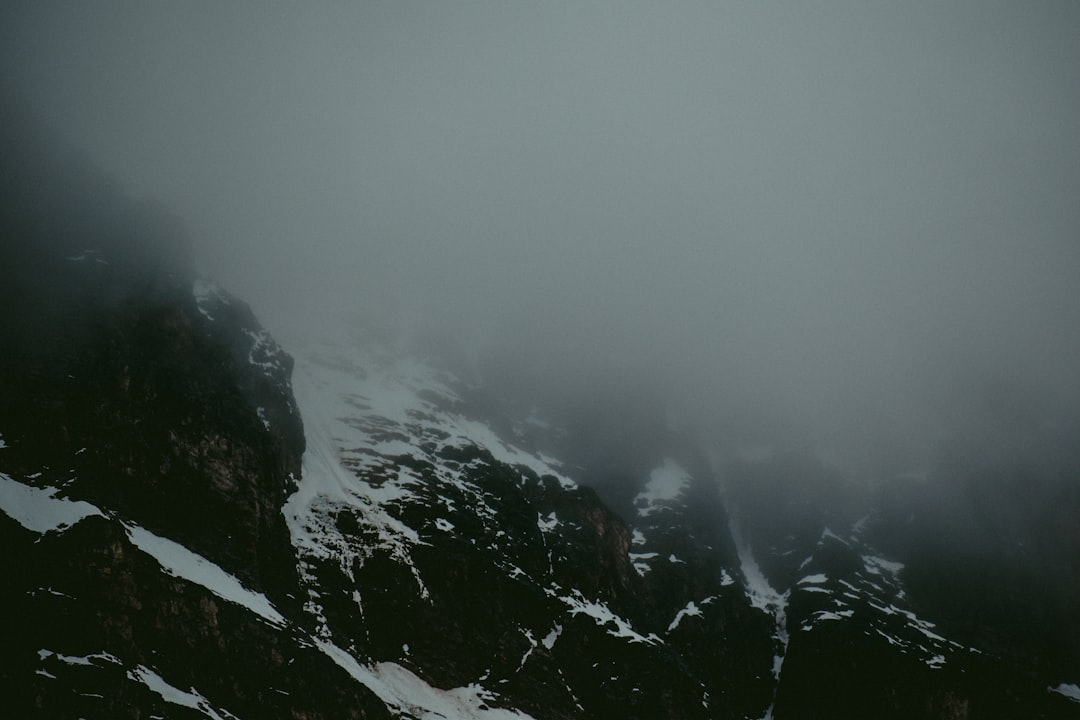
696,361
854,219
198,524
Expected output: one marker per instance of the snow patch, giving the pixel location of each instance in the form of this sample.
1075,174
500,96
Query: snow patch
479,434
604,617
38,510
666,483
402,690
177,560
878,566
691,610
638,561
361,413
829,534
79,659
264,352
815,579
365,409
551,637
763,596
327,485
174,695
549,523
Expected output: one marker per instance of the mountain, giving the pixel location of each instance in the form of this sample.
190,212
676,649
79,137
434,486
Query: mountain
196,524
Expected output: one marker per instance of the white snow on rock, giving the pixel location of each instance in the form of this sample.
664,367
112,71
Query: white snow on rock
325,396
264,352
549,523
175,696
38,510
690,610
472,432
604,617
177,560
666,483
639,561
815,579
879,590
405,692
87,660
551,637
1070,691
364,408
759,591
828,534
763,596
2,443
880,566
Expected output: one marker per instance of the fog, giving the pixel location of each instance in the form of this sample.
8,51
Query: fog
854,223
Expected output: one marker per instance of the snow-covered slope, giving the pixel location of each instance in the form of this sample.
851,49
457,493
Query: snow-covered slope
402,478
414,511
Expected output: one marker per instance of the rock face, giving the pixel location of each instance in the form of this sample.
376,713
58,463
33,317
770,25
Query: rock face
193,527
165,410
435,545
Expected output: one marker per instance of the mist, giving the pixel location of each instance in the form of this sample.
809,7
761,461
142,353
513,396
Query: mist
852,223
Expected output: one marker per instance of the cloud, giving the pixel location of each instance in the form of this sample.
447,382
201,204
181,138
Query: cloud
848,216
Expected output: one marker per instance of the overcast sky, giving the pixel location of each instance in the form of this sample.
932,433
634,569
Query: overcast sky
859,215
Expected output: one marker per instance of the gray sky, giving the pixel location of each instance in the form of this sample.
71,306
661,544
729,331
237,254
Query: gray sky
856,215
